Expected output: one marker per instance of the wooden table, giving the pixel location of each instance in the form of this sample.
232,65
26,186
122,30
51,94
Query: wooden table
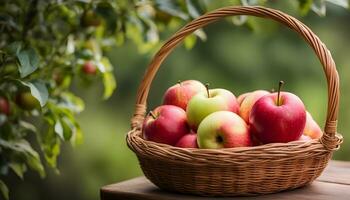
334,183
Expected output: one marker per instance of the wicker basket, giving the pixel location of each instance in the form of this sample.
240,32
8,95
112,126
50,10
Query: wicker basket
237,171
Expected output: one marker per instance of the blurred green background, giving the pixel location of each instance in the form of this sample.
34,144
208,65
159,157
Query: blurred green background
235,58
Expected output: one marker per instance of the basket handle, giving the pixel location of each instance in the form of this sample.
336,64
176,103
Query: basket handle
329,139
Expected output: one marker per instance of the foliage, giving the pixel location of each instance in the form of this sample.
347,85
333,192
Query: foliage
44,50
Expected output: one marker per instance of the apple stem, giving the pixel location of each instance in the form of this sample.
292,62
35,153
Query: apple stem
179,82
207,86
279,92
152,114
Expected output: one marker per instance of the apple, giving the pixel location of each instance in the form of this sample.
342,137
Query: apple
181,93
223,129
241,97
89,68
91,18
163,17
312,129
205,103
165,124
188,141
248,102
278,117
58,77
4,106
255,141
27,101
305,138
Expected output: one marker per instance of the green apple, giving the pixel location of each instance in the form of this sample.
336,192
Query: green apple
91,18
27,101
205,103
223,129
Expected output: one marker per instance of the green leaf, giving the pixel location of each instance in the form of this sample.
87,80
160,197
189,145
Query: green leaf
319,7
32,157
341,3
64,128
77,136
3,119
106,10
304,6
190,41
50,144
105,65
152,35
4,190
14,47
28,126
72,102
171,7
39,90
28,60
18,168
109,83
201,34
23,147
194,8
59,129
62,120
253,2
149,30
68,128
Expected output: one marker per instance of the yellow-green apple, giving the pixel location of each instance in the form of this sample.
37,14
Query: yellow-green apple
248,102
278,117
305,138
241,97
181,93
91,18
188,141
223,129
205,103
27,101
4,106
165,124
312,129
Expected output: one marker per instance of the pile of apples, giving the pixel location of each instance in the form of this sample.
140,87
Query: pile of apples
194,116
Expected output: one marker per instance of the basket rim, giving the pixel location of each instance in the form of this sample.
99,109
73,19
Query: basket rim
277,152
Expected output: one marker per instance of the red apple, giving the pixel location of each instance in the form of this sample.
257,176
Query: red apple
255,141
165,124
181,93
248,102
241,97
278,117
4,106
223,129
312,129
188,141
89,68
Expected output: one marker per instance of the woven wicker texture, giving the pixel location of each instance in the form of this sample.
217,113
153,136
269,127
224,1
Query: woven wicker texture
237,171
